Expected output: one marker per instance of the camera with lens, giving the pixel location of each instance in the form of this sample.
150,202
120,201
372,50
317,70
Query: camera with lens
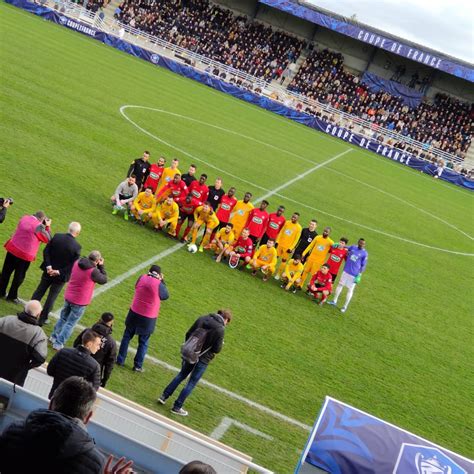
3,200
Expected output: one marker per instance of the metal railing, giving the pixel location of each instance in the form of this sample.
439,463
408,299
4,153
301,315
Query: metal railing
268,88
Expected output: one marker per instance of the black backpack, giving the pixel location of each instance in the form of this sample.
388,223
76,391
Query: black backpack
191,349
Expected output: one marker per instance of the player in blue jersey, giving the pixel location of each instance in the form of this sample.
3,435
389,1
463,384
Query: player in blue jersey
356,261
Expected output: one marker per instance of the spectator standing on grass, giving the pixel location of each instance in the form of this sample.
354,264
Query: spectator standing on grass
124,196
21,249
77,361
150,290
140,169
23,344
86,272
58,258
107,353
4,205
211,328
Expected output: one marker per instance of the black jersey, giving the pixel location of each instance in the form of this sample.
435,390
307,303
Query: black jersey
306,238
215,196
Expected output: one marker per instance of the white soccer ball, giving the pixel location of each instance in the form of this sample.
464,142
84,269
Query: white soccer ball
192,248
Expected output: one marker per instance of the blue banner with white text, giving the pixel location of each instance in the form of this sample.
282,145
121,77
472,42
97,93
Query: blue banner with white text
366,143
434,60
346,440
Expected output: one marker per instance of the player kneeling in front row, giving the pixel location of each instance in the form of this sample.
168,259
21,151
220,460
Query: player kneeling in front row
222,240
265,258
291,277
143,206
204,216
240,252
166,214
124,196
320,285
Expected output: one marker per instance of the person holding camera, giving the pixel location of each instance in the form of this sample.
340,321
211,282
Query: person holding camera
5,203
21,249
150,290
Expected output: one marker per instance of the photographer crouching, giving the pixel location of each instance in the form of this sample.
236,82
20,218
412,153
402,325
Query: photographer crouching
21,249
5,203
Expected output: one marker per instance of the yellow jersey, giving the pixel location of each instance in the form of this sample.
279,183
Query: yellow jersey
289,235
267,255
224,237
166,177
240,214
201,215
168,212
318,249
144,202
293,270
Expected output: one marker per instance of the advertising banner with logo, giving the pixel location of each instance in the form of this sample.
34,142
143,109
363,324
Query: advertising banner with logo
345,440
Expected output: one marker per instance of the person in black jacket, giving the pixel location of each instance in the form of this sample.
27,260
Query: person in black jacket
23,344
54,440
107,353
140,168
4,205
77,361
215,324
58,258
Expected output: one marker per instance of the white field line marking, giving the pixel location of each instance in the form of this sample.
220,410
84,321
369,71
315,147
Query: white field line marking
227,423
193,157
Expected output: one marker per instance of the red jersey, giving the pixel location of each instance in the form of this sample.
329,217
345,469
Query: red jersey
244,247
179,191
321,281
187,209
225,208
154,176
199,191
275,223
257,222
336,256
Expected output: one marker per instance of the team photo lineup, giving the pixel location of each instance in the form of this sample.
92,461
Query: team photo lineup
236,230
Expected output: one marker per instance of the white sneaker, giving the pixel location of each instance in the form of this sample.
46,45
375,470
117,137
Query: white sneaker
343,309
332,303
179,411
277,277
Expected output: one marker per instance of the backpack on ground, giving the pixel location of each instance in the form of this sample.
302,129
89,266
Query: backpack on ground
191,349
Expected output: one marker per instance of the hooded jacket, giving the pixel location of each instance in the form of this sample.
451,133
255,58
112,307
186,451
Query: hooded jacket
214,324
83,278
51,442
23,345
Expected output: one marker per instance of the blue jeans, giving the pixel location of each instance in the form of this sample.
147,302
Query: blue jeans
196,370
141,350
70,316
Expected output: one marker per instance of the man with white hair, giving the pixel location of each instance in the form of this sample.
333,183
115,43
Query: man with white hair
23,344
58,258
86,272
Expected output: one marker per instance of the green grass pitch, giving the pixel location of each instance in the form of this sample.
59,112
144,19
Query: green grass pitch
404,349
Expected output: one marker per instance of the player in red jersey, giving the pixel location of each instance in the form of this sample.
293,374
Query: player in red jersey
156,170
257,222
337,254
186,212
320,286
176,188
241,249
199,189
276,220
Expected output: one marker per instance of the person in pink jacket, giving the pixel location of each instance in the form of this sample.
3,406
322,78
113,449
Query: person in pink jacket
21,249
86,272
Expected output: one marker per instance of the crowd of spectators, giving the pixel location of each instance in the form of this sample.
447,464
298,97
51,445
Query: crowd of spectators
444,124
216,33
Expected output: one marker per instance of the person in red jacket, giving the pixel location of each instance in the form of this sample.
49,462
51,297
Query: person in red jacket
337,254
155,172
186,212
276,220
21,249
176,188
320,286
199,189
257,222
242,248
86,272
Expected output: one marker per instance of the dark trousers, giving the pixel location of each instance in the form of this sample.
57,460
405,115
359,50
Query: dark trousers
54,290
17,266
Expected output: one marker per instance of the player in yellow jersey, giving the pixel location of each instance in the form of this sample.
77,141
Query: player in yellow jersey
204,215
316,253
265,258
143,205
292,274
168,174
287,240
240,214
222,240
166,214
